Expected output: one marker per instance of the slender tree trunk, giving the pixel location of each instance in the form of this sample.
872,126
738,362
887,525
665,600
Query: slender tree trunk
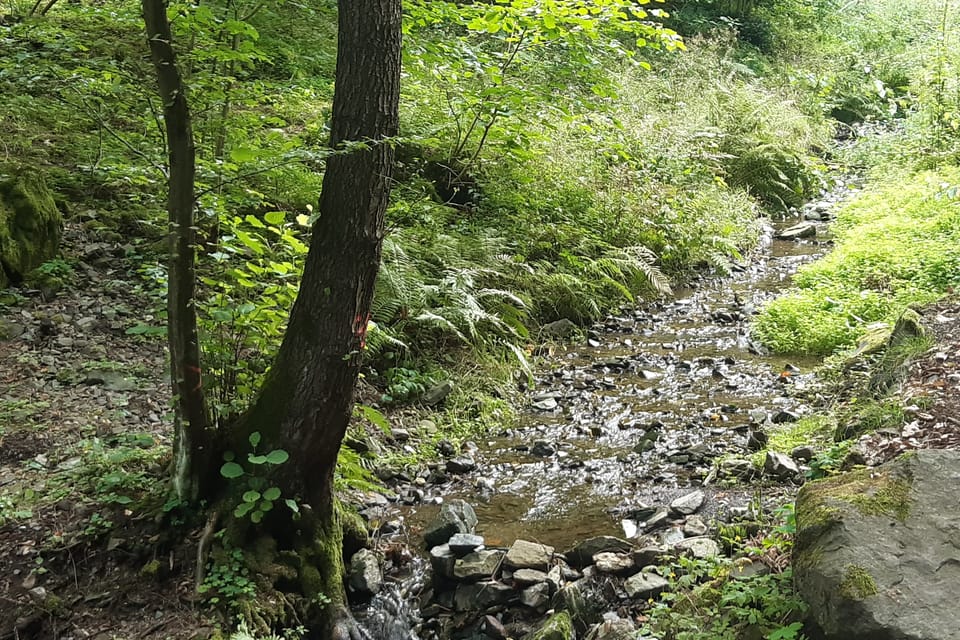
306,401
194,443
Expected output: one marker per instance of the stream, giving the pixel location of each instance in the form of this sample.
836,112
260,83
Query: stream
633,416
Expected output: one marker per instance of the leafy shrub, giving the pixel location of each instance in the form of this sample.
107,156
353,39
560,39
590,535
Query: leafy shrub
896,244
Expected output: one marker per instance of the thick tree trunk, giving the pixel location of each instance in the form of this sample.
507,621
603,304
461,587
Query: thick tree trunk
306,401
194,438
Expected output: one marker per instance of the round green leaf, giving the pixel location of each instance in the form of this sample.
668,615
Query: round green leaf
271,494
256,516
242,509
257,459
251,496
274,217
231,470
255,439
278,456
265,505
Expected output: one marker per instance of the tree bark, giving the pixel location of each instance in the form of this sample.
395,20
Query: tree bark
306,401
194,438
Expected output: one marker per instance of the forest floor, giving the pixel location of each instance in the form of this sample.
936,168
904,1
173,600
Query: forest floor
85,437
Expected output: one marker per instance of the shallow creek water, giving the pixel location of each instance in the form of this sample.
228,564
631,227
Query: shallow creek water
684,369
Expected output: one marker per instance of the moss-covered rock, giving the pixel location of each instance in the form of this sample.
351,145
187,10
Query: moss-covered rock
876,550
29,226
559,626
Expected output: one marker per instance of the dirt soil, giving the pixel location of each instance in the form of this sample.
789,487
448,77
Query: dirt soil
84,435
931,392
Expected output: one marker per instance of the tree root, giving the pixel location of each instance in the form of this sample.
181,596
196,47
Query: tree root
203,547
344,627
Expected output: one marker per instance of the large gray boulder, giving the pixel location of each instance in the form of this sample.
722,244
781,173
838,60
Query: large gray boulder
877,554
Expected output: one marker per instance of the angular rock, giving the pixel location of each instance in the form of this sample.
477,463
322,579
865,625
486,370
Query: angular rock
543,449
877,551
455,517
461,464
442,561
783,417
562,328
798,231
477,565
547,404
757,440
437,393
479,596
536,596
671,536
645,585
648,556
609,562
529,555
803,453
366,577
736,468
780,466
701,547
529,576
618,629
582,554
493,628
694,526
685,505
463,543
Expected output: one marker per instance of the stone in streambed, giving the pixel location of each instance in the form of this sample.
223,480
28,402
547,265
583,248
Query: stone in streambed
477,565
685,505
780,466
455,517
700,547
645,585
609,562
582,553
536,596
529,555
478,596
442,560
798,231
529,576
463,543
366,578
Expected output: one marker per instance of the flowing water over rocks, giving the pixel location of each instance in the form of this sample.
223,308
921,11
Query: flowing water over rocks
631,418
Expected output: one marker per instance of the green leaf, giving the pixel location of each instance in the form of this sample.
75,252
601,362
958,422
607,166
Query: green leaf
274,217
256,516
231,470
272,493
255,439
251,496
265,505
243,154
375,417
257,459
278,456
292,505
242,509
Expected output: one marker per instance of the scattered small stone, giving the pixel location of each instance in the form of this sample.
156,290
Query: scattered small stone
648,556
583,552
609,562
782,417
757,440
529,555
803,453
536,596
645,585
658,519
694,526
547,404
542,449
437,393
798,231
780,466
700,547
477,565
529,576
461,464
672,536
685,505
455,517
463,543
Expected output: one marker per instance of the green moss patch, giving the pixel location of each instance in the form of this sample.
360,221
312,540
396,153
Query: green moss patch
882,493
857,583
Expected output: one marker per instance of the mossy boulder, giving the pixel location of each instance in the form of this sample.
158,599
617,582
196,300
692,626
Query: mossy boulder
29,225
877,553
559,626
